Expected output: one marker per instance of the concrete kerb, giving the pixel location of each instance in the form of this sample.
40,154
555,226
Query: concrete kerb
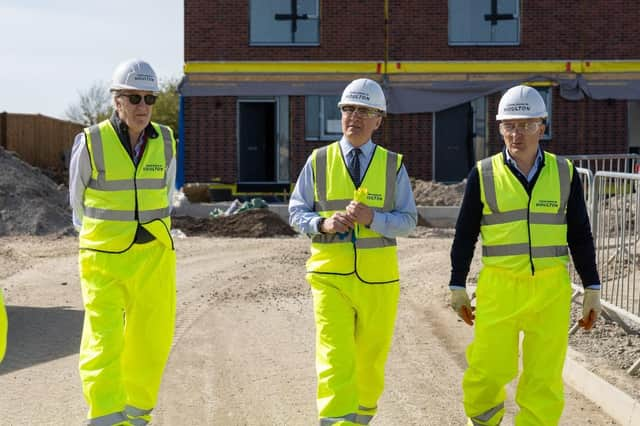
613,401
434,216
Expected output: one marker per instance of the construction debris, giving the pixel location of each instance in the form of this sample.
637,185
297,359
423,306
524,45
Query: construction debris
30,202
252,223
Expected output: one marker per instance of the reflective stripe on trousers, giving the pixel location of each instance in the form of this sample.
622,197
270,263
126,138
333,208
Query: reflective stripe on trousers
354,418
108,420
482,419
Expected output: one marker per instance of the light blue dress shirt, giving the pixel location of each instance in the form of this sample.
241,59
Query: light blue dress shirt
396,223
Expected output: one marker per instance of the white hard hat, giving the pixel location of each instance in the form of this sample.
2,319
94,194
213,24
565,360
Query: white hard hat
365,92
521,102
134,74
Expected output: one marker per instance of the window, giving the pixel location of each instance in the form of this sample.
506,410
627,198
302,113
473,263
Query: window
284,22
322,118
484,22
546,93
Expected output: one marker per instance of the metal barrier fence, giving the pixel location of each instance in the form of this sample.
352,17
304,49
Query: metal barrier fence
623,163
616,233
613,202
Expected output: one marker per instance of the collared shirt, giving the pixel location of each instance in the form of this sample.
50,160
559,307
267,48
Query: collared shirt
80,167
534,168
396,223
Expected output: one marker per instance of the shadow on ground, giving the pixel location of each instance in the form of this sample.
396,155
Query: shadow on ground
38,335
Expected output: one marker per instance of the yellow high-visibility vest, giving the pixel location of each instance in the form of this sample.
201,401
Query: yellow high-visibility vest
120,195
371,256
523,233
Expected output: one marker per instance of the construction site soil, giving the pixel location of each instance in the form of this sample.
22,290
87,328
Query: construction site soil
239,299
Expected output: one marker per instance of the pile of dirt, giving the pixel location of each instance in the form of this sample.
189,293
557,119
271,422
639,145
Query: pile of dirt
429,193
30,202
256,223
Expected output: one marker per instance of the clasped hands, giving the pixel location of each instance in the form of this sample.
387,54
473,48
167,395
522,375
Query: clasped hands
344,221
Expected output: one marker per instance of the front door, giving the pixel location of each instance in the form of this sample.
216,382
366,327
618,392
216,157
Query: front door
257,141
453,157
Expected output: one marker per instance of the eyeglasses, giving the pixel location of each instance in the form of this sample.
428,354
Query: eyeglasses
527,128
361,112
135,99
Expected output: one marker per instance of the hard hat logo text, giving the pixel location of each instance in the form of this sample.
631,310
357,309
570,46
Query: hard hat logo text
517,108
358,96
144,77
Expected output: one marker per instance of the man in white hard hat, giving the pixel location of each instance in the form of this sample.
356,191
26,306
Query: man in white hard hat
353,198
121,177
529,208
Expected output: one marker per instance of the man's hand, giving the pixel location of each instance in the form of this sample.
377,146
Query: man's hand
462,305
591,308
360,213
337,223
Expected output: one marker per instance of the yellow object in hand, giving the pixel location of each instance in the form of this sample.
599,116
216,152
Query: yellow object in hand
360,195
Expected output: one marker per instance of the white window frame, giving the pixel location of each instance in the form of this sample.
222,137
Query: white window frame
515,42
314,16
322,135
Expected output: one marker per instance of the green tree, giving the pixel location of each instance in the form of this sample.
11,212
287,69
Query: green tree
165,110
93,106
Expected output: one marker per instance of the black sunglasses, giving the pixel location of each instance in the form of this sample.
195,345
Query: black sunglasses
135,99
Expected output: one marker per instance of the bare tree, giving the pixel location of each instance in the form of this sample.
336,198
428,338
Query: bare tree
94,105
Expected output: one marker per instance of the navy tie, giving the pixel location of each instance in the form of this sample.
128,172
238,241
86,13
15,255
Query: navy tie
354,166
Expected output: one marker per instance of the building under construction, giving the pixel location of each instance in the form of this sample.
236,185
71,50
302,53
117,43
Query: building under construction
262,80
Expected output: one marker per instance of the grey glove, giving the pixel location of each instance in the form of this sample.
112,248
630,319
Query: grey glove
591,302
460,298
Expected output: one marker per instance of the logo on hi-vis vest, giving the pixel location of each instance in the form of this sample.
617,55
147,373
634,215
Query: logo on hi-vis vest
153,168
374,197
547,204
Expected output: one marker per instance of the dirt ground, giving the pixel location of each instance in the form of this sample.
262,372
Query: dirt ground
243,350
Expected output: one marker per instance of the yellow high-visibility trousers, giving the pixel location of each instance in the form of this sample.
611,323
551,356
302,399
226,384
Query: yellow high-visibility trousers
130,303
3,328
354,329
508,304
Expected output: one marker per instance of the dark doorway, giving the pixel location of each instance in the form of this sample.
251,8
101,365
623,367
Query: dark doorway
257,147
453,157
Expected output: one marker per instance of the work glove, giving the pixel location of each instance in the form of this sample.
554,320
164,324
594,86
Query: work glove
591,308
462,305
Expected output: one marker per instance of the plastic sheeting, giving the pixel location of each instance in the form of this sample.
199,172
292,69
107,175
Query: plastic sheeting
417,97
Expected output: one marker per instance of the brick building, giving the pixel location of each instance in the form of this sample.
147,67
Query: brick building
262,79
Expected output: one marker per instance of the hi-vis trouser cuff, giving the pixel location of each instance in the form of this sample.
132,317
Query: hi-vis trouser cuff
358,419
487,417
131,416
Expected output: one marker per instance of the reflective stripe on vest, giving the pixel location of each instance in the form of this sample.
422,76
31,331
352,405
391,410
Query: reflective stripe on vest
333,191
519,230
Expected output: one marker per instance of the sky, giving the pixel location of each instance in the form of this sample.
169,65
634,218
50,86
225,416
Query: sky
52,50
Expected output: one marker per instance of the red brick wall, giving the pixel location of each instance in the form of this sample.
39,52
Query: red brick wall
550,29
210,139
218,30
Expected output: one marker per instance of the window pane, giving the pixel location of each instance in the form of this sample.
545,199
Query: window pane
474,22
266,29
332,116
546,93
